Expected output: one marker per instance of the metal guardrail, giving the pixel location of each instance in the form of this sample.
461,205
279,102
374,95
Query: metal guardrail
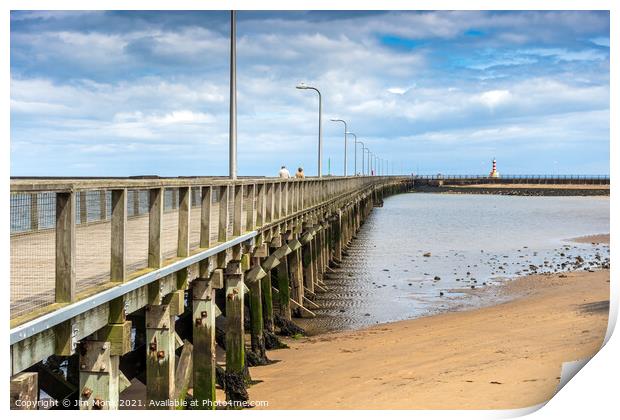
515,177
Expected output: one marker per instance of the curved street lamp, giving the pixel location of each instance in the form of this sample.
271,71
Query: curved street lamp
345,142
303,86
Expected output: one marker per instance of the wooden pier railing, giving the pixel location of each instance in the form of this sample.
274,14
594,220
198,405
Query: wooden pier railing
115,276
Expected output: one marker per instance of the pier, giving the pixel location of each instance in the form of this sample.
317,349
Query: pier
124,278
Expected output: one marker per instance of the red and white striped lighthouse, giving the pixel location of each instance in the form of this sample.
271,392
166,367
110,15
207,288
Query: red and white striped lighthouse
494,173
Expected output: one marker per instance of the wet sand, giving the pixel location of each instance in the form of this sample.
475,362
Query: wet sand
498,357
602,238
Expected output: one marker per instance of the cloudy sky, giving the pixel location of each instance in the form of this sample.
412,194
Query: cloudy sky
128,93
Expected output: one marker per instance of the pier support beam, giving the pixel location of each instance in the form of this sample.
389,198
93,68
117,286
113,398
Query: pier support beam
160,356
307,262
235,347
24,391
203,333
256,314
99,376
284,295
338,239
296,271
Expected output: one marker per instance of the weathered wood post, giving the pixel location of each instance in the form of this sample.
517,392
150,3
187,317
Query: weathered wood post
256,304
103,205
306,257
136,202
24,391
338,239
65,269
205,217
223,214
83,207
156,214
266,285
160,356
282,281
235,347
203,332
34,211
65,247
296,270
99,376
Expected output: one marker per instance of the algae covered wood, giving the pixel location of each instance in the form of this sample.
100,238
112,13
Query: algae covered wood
256,314
282,276
235,351
203,333
160,356
99,376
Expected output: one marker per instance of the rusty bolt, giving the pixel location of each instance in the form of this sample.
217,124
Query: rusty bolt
198,321
203,314
230,296
97,404
86,392
153,346
161,354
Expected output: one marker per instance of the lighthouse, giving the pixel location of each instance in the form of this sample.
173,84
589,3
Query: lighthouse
494,173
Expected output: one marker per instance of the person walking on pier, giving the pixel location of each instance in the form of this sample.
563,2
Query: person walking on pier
300,173
284,173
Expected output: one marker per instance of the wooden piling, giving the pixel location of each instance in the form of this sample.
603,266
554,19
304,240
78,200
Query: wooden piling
203,333
160,357
99,376
235,347
256,315
307,263
282,276
24,391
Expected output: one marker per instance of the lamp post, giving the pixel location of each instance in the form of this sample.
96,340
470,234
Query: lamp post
232,124
303,86
363,147
354,153
345,142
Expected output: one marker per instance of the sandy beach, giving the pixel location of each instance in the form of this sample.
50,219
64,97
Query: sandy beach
498,357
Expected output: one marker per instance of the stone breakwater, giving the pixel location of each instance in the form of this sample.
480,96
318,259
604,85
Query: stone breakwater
520,191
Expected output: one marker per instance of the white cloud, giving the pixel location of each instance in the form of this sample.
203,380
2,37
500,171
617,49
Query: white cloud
494,98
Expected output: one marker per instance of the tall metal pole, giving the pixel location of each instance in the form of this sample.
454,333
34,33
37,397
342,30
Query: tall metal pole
302,86
354,153
232,134
363,148
345,143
